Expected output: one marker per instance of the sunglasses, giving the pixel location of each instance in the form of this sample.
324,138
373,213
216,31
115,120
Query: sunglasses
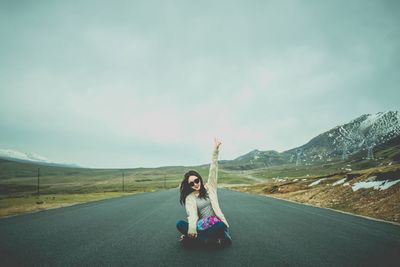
196,181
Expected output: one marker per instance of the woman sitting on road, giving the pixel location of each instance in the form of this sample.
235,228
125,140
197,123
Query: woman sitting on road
206,222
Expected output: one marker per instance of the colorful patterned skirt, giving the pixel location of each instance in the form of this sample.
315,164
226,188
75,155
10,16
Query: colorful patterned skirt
207,222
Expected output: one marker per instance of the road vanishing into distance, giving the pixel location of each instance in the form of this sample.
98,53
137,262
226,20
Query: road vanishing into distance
140,230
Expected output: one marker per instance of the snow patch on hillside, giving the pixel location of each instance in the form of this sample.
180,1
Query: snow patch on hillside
381,185
339,182
316,182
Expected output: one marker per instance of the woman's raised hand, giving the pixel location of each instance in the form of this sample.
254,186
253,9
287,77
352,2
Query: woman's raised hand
217,142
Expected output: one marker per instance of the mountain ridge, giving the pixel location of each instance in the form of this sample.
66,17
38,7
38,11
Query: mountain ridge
360,136
30,157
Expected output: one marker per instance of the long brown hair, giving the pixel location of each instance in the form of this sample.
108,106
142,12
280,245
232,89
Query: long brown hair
186,189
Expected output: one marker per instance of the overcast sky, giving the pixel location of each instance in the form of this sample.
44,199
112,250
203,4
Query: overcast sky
150,83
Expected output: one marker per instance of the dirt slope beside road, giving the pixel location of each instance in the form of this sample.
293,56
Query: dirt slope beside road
373,192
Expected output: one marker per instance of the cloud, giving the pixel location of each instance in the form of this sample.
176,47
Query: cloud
153,84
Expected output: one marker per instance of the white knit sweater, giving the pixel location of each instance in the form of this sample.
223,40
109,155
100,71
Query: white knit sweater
211,187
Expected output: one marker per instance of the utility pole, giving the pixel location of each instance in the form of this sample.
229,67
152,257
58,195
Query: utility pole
38,182
123,181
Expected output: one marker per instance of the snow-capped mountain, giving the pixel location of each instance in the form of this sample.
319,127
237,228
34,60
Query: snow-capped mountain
361,135
15,155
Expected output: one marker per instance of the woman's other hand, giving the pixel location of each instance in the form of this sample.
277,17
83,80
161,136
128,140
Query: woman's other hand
192,235
217,143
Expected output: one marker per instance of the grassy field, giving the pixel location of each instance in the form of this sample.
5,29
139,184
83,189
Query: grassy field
59,187
24,179
30,203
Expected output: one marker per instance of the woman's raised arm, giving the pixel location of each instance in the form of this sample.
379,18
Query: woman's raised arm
213,173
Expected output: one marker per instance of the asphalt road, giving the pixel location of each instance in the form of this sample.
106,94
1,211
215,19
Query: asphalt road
140,230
